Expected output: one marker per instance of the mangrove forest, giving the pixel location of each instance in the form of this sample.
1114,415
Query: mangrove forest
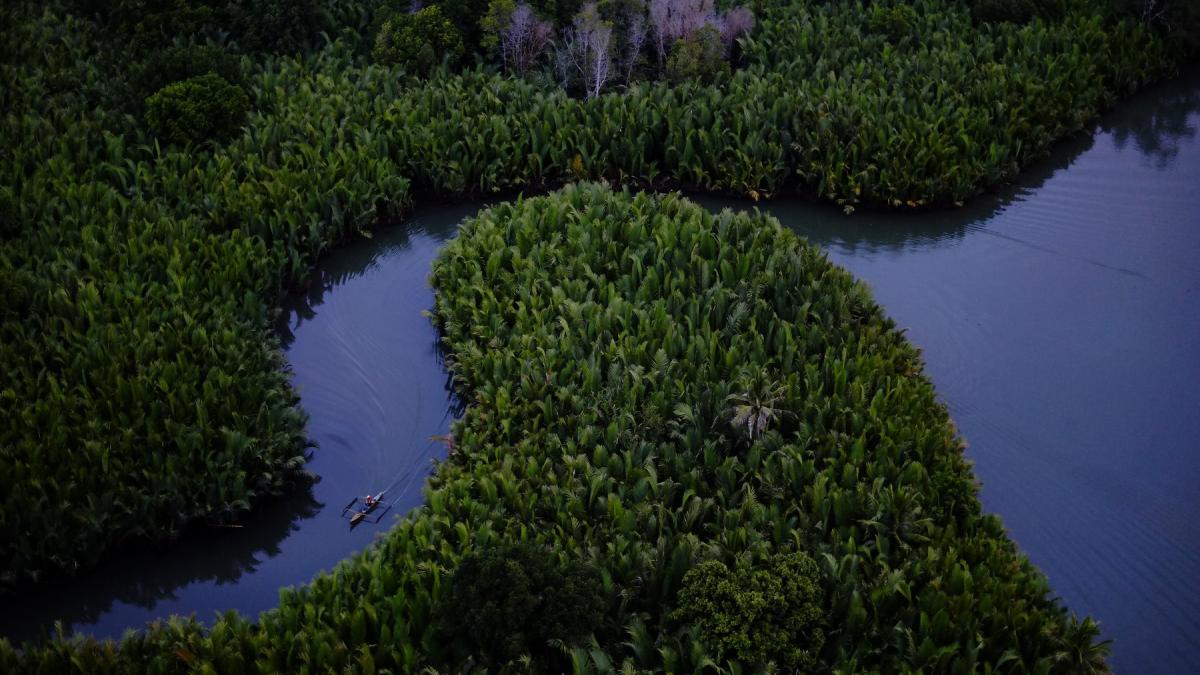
668,434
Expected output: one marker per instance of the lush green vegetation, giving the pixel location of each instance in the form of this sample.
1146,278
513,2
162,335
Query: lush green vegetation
258,25
141,388
418,41
769,613
203,108
509,601
599,337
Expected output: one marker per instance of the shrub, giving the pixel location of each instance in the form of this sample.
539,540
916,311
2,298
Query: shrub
493,24
558,11
630,32
895,22
418,41
498,18
701,57
584,59
469,17
768,613
509,601
205,108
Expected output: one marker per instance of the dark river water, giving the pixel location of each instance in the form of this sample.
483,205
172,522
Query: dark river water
1059,318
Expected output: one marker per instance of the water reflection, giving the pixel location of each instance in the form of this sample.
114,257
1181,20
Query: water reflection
143,577
353,261
872,232
1157,133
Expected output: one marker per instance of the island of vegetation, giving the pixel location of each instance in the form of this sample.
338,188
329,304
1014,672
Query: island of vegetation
691,441
171,168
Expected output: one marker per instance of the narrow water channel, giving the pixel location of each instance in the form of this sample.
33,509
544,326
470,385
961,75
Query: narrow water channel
365,361
1059,318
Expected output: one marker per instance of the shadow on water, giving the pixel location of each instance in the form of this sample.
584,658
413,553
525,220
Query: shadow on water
137,577
869,232
352,261
1157,133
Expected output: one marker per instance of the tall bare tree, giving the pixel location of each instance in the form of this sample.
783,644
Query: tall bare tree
635,40
525,39
673,20
586,51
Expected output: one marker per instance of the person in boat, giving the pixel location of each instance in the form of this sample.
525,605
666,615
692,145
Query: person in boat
370,501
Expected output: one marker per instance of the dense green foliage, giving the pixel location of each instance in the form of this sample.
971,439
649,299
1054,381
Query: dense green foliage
996,11
285,25
597,337
700,57
270,25
766,614
896,22
418,41
824,106
91,209
203,108
511,600
464,14
140,388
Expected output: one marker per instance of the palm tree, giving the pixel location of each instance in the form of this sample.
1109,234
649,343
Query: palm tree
1079,650
758,405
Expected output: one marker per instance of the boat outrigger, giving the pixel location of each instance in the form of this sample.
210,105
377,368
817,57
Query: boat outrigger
360,508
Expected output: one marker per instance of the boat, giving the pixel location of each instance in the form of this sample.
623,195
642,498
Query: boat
370,509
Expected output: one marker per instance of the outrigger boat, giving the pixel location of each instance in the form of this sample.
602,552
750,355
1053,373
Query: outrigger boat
360,508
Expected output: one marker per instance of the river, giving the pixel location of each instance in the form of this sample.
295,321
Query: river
1059,319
